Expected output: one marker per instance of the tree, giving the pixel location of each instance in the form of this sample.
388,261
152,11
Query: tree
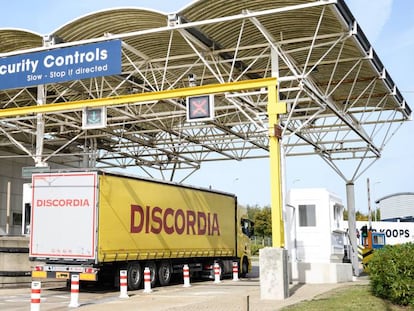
252,211
376,215
358,215
263,222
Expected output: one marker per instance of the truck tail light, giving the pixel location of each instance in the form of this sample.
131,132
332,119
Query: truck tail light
89,270
38,268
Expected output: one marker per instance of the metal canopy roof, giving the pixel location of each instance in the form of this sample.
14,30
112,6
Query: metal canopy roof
342,103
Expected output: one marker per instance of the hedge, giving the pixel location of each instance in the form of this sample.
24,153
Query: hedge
391,272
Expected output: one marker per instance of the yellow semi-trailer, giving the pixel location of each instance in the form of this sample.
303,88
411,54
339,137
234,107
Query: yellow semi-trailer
97,223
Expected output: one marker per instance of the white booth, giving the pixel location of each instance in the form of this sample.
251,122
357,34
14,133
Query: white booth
315,237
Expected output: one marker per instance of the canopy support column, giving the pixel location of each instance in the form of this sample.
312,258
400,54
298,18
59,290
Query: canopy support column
273,262
40,127
350,198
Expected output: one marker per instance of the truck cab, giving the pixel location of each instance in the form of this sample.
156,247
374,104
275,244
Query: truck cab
246,231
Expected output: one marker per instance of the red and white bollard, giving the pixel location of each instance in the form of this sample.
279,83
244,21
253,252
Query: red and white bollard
123,284
35,296
217,273
147,280
235,271
186,275
74,291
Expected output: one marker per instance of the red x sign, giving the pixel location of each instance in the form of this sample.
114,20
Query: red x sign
200,108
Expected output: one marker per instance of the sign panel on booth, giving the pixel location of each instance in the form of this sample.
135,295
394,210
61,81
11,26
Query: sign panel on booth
61,64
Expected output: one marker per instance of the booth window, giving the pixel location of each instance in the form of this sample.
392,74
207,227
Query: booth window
307,215
338,215
17,219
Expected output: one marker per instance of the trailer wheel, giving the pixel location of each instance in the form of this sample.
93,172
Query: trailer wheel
154,273
134,275
164,273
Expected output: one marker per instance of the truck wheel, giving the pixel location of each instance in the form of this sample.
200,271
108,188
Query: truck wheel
134,275
154,273
164,273
244,268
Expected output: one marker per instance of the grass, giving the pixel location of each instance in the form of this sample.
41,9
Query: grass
354,297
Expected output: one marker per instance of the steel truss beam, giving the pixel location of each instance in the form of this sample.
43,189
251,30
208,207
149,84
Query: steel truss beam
335,108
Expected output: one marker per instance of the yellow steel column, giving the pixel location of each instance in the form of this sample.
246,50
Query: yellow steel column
274,108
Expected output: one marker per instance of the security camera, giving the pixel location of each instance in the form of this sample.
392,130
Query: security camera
192,79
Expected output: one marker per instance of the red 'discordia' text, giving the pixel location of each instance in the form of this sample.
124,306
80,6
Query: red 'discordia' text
156,220
62,203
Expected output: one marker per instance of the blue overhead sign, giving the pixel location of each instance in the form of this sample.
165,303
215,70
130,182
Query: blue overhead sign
60,65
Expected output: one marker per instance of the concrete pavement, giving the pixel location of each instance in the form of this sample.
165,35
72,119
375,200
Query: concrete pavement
227,296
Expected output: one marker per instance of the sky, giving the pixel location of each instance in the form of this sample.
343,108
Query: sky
389,27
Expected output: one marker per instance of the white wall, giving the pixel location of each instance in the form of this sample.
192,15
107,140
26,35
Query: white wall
397,206
395,232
